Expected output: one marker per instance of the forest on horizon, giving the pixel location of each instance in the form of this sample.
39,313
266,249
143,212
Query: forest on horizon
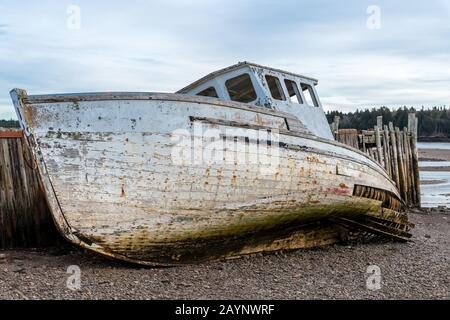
9,123
433,123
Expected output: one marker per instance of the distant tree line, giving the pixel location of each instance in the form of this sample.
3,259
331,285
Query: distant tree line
9,123
433,122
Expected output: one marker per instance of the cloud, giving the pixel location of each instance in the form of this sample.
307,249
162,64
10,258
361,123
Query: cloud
164,45
3,29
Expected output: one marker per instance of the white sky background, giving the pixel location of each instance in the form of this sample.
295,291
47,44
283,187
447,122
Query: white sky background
165,45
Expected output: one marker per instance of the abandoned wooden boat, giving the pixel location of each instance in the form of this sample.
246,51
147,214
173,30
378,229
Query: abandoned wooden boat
240,161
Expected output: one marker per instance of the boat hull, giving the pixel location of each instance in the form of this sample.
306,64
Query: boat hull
170,179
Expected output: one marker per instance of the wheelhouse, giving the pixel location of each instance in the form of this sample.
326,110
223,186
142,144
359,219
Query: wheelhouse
266,87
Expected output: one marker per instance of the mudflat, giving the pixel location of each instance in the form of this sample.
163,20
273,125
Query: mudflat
434,155
415,270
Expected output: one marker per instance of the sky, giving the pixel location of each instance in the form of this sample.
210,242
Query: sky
364,53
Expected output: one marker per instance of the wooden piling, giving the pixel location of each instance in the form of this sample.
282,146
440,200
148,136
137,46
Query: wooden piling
378,145
25,220
386,149
413,125
363,143
395,150
348,137
380,122
394,154
409,170
336,122
401,164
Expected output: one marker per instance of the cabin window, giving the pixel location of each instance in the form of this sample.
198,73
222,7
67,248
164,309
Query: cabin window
208,92
275,87
293,92
308,93
241,88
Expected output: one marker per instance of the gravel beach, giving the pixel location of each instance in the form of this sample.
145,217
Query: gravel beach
414,270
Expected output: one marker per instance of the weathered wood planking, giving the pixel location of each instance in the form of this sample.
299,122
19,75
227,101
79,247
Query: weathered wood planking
348,137
25,219
115,188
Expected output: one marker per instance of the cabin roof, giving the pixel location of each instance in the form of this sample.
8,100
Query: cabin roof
235,67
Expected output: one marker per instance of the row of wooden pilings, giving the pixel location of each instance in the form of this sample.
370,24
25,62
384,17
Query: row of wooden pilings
395,149
25,220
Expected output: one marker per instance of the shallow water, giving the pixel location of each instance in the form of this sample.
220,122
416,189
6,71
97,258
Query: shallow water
434,195
434,145
434,164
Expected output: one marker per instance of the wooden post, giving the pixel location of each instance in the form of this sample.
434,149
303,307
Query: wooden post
411,180
411,116
401,164
25,219
378,144
387,156
380,122
336,125
407,160
413,122
394,155
363,143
